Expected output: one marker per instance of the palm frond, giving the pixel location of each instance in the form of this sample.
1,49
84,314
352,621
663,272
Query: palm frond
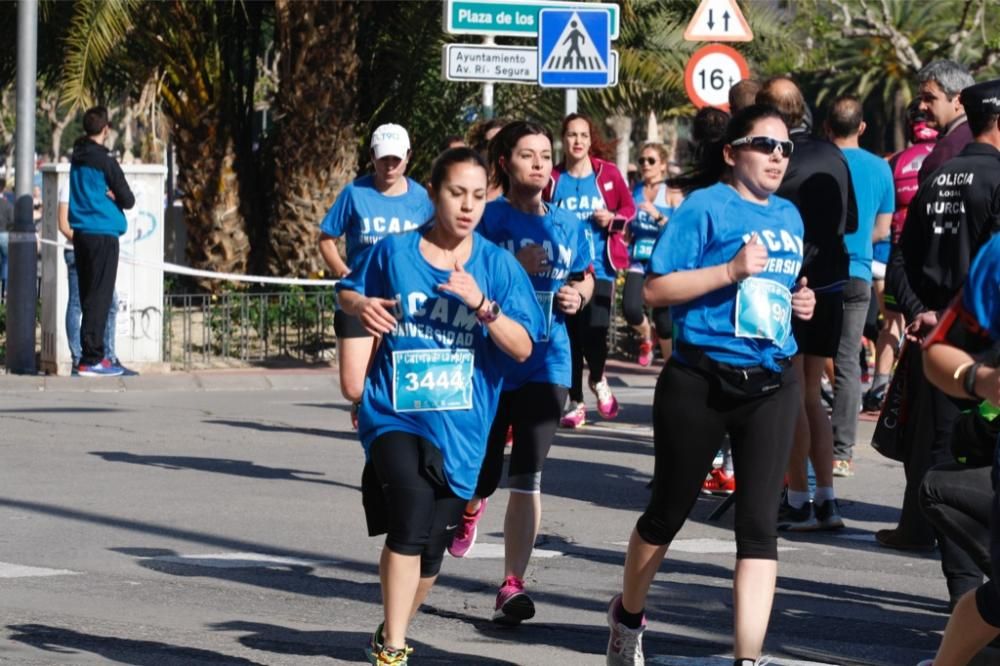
98,27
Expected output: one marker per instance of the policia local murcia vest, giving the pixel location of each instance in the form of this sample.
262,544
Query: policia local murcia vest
956,210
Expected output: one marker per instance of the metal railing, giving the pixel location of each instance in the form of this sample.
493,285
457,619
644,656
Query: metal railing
206,330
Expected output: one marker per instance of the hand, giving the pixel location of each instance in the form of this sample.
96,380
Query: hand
803,300
602,217
376,315
649,209
924,322
750,260
568,300
464,286
533,258
988,384
111,195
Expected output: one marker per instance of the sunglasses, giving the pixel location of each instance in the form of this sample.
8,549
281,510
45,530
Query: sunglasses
646,160
765,144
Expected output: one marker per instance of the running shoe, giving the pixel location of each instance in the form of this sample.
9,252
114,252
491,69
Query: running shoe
607,404
575,416
645,353
127,372
355,406
872,400
802,519
891,538
465,533
828,515
624,644
513,603
100,369
719,483
509,441
843,468
378,654
926,662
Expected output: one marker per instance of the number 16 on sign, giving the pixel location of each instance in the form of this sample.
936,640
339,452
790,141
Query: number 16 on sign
711,72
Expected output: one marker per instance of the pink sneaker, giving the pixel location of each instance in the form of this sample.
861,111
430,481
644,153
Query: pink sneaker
645,353
465,533
513,604
607,404
575,416
509,441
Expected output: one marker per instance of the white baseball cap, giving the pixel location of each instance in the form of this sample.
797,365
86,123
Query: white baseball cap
390,139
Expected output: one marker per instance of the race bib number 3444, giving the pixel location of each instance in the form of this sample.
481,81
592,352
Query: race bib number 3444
432,380
763,310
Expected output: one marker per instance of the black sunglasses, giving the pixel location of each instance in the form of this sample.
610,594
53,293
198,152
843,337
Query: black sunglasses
646,160
765,144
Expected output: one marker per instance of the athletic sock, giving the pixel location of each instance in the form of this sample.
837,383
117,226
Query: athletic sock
744,662
630,620
797,498
879,382
727,460
823,494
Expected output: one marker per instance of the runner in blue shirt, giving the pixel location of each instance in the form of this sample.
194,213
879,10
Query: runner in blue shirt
550,244
366,211
726,265
655,202
954,355
452,311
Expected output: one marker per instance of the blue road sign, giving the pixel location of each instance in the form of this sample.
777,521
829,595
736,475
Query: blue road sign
574,47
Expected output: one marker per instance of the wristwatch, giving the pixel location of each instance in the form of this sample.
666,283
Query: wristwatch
488,313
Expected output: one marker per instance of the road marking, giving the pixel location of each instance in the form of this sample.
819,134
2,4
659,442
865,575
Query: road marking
705,546
240,561
726,661
495,551
857,537
8,570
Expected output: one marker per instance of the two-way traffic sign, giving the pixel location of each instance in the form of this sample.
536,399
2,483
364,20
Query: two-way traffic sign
718,21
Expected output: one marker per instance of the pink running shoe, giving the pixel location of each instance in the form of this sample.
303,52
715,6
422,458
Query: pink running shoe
575,416
465,533
607,404
509,441
513,604
645,353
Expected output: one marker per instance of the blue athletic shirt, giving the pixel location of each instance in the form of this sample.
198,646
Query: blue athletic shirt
709,228
981,295
875,192
880,251
643,227
582,196
365,216
438,322
568,250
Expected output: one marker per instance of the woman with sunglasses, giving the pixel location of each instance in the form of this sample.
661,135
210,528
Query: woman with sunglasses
590,186
550,244
450,309
656,202
726,265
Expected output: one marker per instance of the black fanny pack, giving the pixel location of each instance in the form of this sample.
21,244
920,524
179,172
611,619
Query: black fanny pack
735,381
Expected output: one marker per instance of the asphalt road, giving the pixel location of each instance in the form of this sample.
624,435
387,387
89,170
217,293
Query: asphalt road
215,518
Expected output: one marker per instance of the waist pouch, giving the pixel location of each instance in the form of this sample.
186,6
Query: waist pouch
974,437
735,381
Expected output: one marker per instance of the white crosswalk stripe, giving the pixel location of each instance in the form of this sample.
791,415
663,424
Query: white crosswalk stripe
8,570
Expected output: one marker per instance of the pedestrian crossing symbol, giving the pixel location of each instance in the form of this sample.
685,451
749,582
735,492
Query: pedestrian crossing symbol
574,48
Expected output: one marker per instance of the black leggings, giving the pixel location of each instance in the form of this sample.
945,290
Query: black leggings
420,509
958,501
533,412
588,337
690,418
988,594
632,307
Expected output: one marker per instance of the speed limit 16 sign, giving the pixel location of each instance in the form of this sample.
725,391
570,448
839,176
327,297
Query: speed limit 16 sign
711,72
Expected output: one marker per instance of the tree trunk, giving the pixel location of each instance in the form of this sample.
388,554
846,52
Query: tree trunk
899,122
315,112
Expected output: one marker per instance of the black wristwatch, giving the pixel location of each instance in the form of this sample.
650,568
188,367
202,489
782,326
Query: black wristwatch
489,314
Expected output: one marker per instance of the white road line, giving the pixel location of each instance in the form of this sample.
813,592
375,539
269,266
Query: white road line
495,551
8,570
725,661
705,546
241,561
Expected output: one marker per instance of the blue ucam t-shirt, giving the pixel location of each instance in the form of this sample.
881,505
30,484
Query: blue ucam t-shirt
745,324
876,194
562,237
981,295
438,374
365,216
644,228
582,196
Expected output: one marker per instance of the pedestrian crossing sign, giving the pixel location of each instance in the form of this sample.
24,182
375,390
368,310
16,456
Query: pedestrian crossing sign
574,48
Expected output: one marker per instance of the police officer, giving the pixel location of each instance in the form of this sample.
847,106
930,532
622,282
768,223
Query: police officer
954,213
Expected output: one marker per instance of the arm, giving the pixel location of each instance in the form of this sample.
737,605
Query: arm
373,312
62,216
573,296
947,368
850,203
883,226
626,204
897,282
331,255
122,194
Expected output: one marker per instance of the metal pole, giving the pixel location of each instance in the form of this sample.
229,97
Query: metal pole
23,290
488,88
570,100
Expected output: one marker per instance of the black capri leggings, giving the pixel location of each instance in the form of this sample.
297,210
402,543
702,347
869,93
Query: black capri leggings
533,412
988,594
632,307
419,508
690,418
588,337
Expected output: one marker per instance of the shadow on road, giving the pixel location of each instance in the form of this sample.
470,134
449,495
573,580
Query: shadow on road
272,427
118,650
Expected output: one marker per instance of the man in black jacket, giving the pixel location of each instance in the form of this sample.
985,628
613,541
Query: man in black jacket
818,182
955,212
98,194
